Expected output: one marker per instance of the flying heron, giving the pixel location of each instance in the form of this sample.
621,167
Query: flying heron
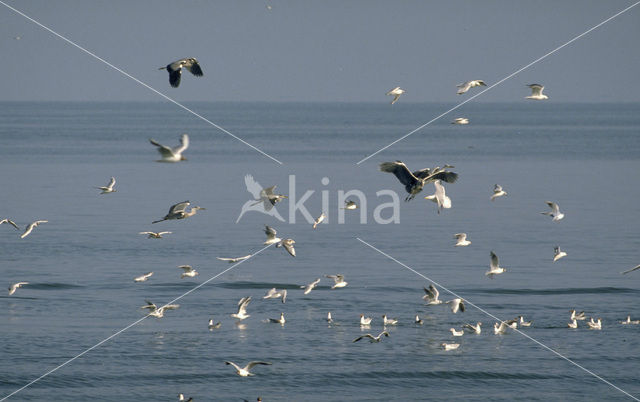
414,182
175,70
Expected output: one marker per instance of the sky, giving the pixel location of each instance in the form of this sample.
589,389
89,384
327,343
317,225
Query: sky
320,51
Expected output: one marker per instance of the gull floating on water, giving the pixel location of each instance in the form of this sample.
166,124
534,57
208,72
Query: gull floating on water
628,321
234,259
280,320
9,221
501,328
414,181
309,287
431,296
461,240
143,277
372,338
271,235
15,286
242,309
276,294
178,211
175,70
557,253
159,312
474,328
497,192
181,398
174,154
338,280
465,86
365,320
577,316
388,321
288,245
494,266
418,320
594,324
524,323
450,346
189,271
456,304
630,270
456,333
536,92
573,324
213,325
109,187
154,235
244,371
460,121
329,319
395,92
555,213
319,220
440,197
30,227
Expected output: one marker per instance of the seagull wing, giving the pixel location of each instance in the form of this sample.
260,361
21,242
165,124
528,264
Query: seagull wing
234,365
255,363
464,87
494,263
163,149
184,144
434,292
289,247
186,268
536,89
364,336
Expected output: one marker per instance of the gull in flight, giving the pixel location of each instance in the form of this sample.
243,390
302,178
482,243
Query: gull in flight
497,192
178,211
395,92
372,339
465,86
309,287
288,245
109,187
536,92
338,280
577,316
276,294
268,198
234,259
255,189
440,197
9,221
15,286
365,320
271,235
319,220
154,235
456,333
30,228
573,324
460,120
388,321
172,154
461,240
456,304
175,70
555,213
188,271
414,182
143,277
244,371
350,205
242,309
474,328
630,270
594,324
280,320
524,323
557,253
494,266
450,346
628,321
431,296
159,312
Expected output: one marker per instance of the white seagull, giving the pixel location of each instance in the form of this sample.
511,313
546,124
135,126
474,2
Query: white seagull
309,287
9,221
211,325
319,219
154,235
628,321
536,92
440,197
456,304
181,398
242,309
244,371
231,260
577,316
555,213
395,92
276,294
456,333
174,154
271,235
414,181
388,321
594,324
143,277
280,320
460,120
329,318
450,346
372,338
175,70
189,271
524,323
178,211
30,227
418,320
431,295
465,86
573,324
461,240
15,286
497,192
494,266
474,328
557,253
288,245
365,320
501,328
109,187
338,280
159,312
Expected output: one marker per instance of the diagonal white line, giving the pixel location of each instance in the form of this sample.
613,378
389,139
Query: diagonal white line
497,319
139,82
129,326
502,80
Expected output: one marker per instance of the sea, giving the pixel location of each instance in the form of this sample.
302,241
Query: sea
77,332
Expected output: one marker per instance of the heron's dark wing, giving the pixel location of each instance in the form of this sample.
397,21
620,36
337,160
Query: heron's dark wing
401,171
447,177
422,173
174,77
194,68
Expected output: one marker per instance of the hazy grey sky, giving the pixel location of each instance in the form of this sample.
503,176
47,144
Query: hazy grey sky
319,51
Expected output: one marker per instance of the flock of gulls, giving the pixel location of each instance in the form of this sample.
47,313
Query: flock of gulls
413,182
